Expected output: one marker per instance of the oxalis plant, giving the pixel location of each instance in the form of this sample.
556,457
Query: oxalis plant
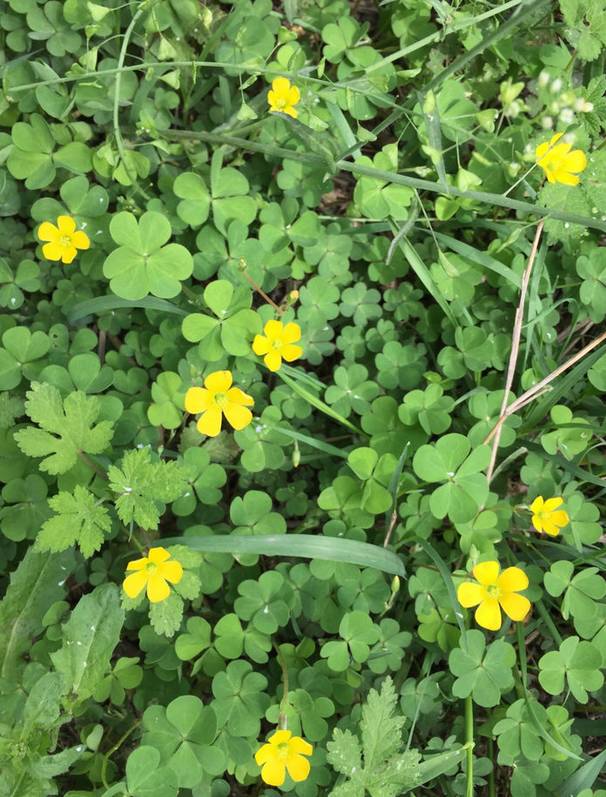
302,361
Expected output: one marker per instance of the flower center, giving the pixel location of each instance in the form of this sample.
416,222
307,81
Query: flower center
221,399
281,103
283,750
151,568
65,240
277,343
493,591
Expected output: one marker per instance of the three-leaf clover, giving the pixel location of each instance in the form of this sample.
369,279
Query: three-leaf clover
232,326
183,733
143,263
484,673
576,662
450,461
358,633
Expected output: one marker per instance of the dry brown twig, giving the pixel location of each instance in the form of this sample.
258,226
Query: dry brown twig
543,385
515,349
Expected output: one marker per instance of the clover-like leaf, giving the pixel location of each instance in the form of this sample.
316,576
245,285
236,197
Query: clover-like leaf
484,673
144,263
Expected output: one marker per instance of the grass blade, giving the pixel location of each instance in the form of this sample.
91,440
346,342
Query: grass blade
306,546
103,304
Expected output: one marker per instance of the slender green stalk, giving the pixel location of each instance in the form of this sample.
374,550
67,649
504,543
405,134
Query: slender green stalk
469,740
546,617
312,158
113,749
283,719
116,123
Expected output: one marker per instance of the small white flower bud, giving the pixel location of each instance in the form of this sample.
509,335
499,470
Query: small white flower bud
543,78
556,86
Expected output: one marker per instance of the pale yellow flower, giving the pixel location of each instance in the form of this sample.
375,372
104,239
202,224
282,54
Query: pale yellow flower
547,517
217,399
63,240
277,344
153,571
493,591
284,753
560,162
283,97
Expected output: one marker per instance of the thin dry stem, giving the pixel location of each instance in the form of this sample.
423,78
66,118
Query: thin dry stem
515,348
532,393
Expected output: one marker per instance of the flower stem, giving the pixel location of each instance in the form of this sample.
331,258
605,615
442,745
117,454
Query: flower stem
470,742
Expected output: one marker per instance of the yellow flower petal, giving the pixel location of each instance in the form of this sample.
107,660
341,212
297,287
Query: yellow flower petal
290,352
537,522
197,399
291,333
52,251
486,573
157,588
552,503
237,396
261,345
575,161
488,614
264,754
299,745
541,151
209,423
513,579
290,111
279,737
565,178
48,232
555,138
272,99
515,606
298,767
470,594
80,240
273,329
281,85
537,504
273,360
237,416
138,564
134,584
560,518
219,381
172,571
549,527
294,95
69,253
158,555
274,773
66,225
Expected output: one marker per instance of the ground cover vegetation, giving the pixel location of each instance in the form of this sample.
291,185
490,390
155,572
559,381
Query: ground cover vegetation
302,373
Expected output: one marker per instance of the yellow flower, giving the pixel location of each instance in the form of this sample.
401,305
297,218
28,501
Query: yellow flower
216,399
284,753
493,592
153,571
283,97
547,517
559,163
63,240
277,344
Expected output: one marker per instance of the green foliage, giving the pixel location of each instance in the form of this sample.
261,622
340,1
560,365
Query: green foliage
68,428
374,761
316,553
79,519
